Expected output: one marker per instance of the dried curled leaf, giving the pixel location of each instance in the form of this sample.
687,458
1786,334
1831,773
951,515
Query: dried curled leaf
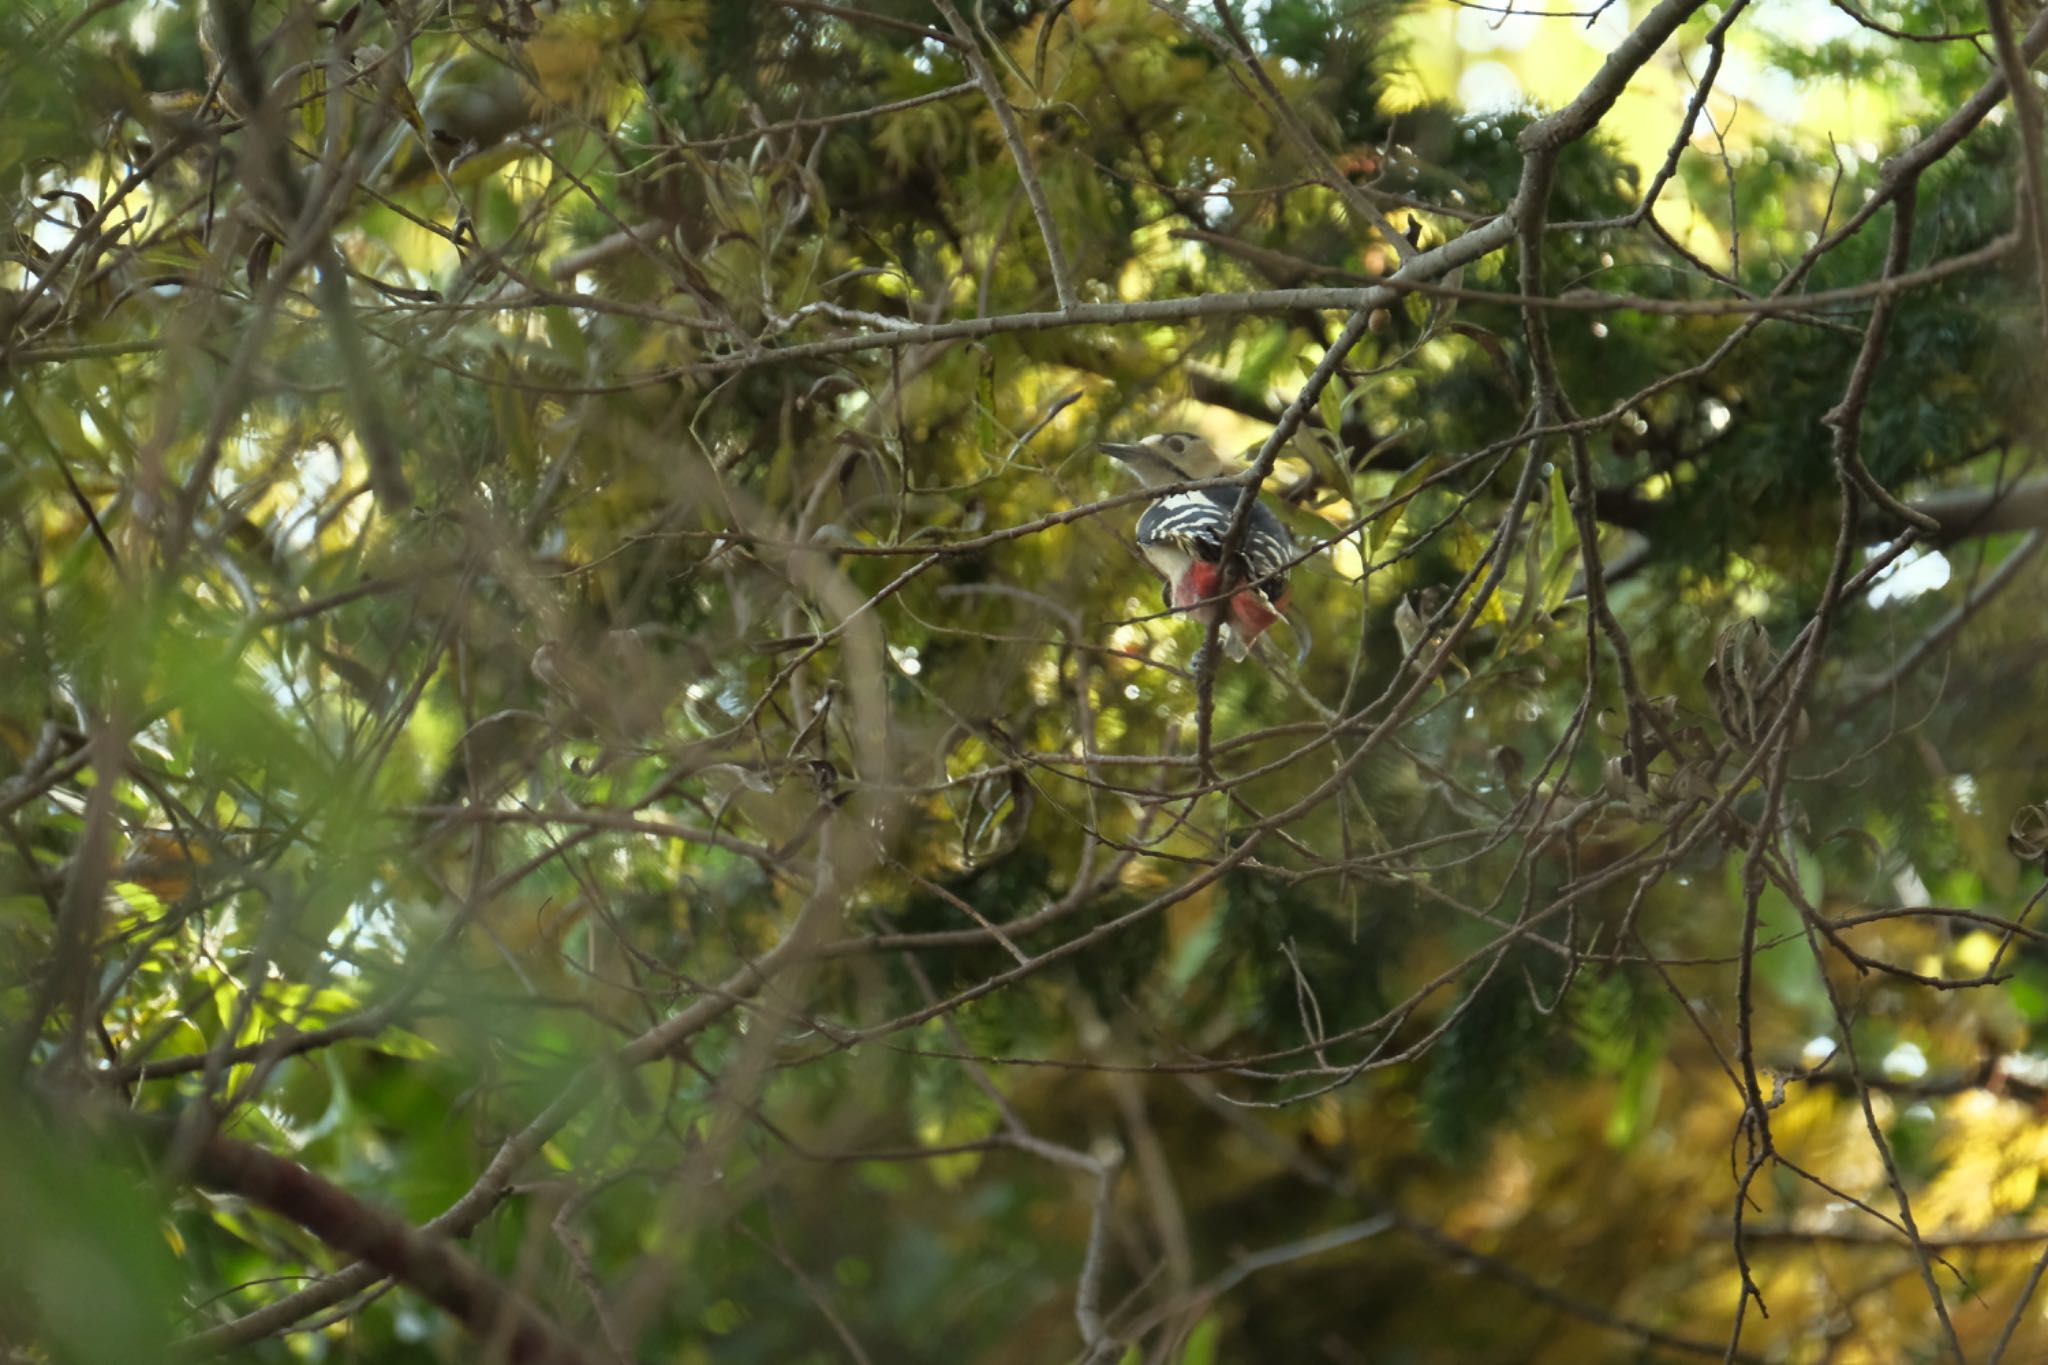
1618,781
995,815
2027,837
1508,760
1735,683
1410,622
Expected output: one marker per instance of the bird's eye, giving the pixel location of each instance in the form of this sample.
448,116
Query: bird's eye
1174,443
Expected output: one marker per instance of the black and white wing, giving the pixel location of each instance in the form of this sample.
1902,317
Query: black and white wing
1195,524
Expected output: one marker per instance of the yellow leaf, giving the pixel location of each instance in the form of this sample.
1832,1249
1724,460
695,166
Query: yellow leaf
677,23
566,57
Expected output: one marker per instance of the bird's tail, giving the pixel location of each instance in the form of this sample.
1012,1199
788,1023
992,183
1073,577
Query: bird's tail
1303,640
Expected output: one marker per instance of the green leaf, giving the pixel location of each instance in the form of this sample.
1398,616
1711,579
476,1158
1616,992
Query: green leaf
1410,480
1319,449
1635,1101
985,409
566,336
1330,403
1201,1347
85,1221
1562,559
1787,968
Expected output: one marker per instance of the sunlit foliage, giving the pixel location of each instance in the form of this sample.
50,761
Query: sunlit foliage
590,770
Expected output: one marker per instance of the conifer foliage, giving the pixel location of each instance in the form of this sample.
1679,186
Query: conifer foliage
591,772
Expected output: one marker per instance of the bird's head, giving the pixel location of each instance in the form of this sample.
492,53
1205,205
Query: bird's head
1171,457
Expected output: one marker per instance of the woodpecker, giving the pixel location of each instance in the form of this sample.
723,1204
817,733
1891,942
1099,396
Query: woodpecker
1182,534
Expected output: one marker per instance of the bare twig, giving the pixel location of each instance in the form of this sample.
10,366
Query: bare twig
1027,173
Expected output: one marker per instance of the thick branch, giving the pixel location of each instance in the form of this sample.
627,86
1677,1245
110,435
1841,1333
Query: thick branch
2026,106
494,1183
1961,513
427,1264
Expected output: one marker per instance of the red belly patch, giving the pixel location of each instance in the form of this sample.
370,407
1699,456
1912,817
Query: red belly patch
1250,613
1199,582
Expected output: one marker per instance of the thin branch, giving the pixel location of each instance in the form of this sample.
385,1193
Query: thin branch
1415,277
796,125
1960,513
1027,173
1305,142
861,16
1251,1263
1953,621
2027,1290
1088,1291
1846,417
2026,108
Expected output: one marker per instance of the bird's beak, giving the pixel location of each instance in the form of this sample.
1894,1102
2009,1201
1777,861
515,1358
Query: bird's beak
1145,461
